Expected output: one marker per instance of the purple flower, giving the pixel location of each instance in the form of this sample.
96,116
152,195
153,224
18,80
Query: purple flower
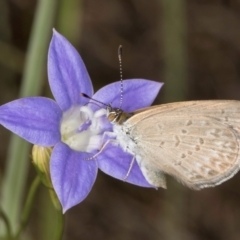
73,127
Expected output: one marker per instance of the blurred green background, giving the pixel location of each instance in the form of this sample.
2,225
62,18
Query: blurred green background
192,46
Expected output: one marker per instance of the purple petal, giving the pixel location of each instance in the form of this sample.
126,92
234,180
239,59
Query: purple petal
137,93
68,76
36,119
72,176
116,163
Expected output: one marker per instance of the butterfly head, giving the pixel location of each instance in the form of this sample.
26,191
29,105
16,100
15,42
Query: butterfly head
114,115
117,115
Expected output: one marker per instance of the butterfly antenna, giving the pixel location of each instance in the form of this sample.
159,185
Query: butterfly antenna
86,96
121,73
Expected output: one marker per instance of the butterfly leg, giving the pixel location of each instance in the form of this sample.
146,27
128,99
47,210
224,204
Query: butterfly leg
109,135
130,168
101,150
105,135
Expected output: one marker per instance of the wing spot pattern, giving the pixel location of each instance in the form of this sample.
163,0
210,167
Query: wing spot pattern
161,144
189,122
177,141
189,152
223,166
197,147
177,163
217,133
197,177
212,173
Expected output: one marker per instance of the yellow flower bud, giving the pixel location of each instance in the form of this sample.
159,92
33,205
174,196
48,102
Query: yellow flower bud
41,160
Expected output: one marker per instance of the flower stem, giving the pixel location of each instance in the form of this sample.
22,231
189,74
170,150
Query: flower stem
60,225
28,205
7,224
17,162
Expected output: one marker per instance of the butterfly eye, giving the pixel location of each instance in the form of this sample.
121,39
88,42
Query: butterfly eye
112,117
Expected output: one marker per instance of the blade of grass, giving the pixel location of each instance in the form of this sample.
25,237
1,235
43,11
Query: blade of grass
18,160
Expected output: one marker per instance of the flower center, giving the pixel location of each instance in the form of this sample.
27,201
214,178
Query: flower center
82,129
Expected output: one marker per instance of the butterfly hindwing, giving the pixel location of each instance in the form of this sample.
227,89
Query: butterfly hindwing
196,142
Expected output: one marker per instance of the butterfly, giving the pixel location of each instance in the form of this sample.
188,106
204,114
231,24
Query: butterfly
197,142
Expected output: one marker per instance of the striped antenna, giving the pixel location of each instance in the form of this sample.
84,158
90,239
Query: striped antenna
86,96
121,73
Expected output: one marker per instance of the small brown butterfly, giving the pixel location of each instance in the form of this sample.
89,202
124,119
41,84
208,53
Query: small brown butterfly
197,142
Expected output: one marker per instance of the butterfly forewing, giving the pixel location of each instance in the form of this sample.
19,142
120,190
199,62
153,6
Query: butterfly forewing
196,142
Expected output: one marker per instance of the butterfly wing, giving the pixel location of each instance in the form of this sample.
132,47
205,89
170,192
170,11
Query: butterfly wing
196,142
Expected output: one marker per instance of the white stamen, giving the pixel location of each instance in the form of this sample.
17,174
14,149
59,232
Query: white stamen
75,130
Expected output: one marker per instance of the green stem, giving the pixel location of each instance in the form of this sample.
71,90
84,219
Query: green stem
28,205
175,49
175,89
7,224
60,225
17,163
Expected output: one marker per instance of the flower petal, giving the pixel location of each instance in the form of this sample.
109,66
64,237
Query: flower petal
68,76
137,93
72,176
116,163
36,119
